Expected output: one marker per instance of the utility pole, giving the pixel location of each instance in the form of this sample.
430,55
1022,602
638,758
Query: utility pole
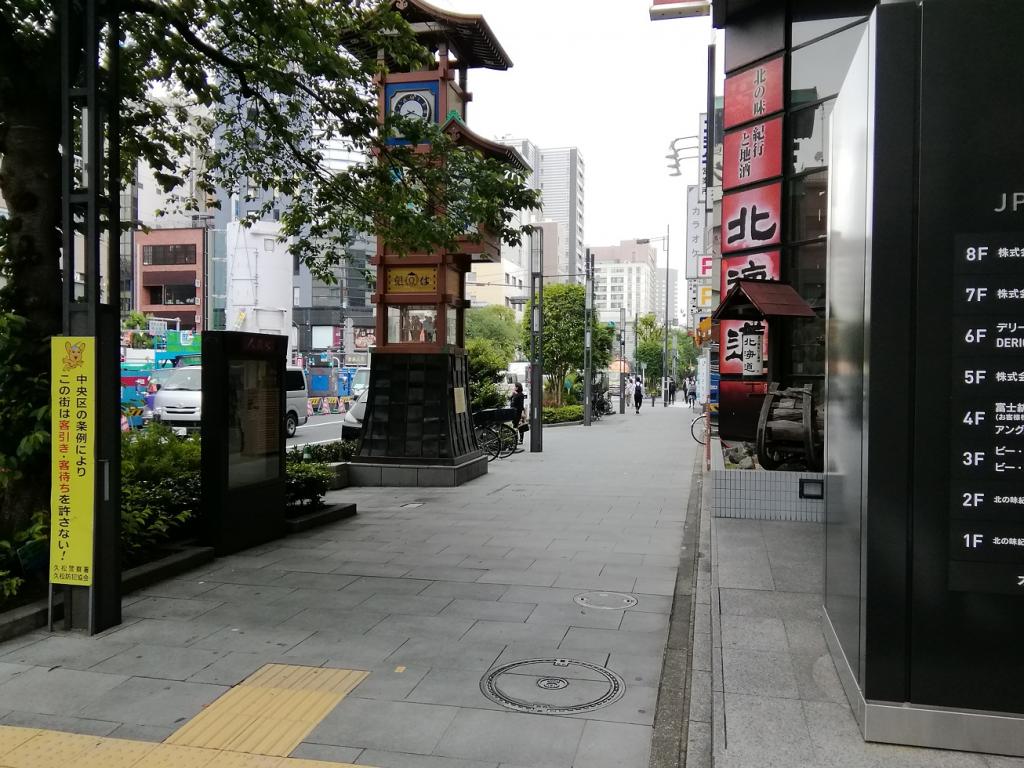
622,359
588,326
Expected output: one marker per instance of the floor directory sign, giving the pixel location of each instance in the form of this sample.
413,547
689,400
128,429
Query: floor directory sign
987,515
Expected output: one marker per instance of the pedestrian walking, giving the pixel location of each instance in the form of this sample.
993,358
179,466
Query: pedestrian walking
638,394
518,403
672,390
691,396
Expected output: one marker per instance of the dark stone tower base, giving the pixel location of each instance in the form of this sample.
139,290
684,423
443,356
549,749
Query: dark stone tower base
417,429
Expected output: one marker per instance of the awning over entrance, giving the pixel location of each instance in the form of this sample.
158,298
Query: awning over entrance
757,299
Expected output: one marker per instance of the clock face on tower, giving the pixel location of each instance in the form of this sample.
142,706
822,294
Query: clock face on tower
417,105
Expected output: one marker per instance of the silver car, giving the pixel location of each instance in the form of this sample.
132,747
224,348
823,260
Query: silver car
352,424
178,403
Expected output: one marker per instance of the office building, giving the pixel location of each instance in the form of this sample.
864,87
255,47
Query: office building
673,296
624,276
562,193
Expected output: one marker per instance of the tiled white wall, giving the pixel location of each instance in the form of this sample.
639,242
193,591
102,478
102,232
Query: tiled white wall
761,495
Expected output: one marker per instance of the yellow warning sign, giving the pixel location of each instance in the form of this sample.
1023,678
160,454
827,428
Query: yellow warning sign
73,460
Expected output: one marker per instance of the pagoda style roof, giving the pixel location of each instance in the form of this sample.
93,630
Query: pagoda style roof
468,35
459,131
757,299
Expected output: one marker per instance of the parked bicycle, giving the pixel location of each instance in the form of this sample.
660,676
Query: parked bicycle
699,428
495,433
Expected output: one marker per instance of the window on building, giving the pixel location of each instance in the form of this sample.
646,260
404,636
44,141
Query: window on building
818,70
167,255
325,295
809,131
180,294
808,206
269,243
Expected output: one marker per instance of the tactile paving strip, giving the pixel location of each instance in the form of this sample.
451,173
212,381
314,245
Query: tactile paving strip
49,748
271,712
33,748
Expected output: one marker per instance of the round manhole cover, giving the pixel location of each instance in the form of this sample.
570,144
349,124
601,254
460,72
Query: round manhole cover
552,686
609,601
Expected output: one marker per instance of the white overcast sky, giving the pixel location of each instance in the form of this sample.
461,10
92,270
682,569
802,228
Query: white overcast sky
601,76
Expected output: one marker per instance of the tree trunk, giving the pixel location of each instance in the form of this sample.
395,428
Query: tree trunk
30,185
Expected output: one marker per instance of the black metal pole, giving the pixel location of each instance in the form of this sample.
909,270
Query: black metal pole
664,352
536,341
622,360
91,182
588,324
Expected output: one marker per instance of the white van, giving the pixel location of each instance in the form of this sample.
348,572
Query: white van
296,400
179,400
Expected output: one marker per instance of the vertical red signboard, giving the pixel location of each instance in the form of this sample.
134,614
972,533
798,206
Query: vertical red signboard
752,218
752,154
754,93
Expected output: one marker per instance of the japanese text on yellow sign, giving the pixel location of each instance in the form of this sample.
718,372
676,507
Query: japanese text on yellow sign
73,483
412,279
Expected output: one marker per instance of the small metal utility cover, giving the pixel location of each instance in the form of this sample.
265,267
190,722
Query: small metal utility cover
608,601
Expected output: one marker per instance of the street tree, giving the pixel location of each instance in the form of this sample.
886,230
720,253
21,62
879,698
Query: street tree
496,324
648,356
564,321
485,360
256,91
686,354
648,328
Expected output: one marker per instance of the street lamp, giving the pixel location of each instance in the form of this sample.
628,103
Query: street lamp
664,351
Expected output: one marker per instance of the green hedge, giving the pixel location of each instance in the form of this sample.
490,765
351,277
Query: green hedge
339,450
306,483
160,487
563,413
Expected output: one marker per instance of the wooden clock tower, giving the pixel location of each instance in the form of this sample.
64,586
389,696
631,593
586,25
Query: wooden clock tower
418,429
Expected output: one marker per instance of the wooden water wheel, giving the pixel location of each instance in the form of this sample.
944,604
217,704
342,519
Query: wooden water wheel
790,429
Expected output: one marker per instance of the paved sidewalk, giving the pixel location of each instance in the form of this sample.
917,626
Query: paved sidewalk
765,693
426,590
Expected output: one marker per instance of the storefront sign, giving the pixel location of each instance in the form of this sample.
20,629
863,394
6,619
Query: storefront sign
754,93
365,338
694,232
73,459
705,296
752,218
411,279
731,343
753,154
750,266
753,360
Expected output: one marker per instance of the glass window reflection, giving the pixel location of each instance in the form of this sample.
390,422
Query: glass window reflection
412,324
808,206
809,132
812,29
452,326
818,70
254,422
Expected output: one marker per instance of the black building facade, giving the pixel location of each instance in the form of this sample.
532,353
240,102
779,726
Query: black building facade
903,227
